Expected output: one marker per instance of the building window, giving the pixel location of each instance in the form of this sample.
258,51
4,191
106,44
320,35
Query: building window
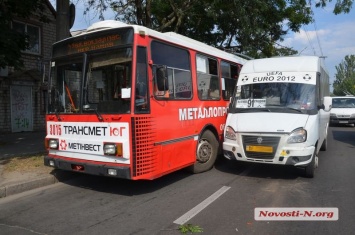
33,33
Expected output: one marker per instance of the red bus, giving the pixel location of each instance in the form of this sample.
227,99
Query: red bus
129,102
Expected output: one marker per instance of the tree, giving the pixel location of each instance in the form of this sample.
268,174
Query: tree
246,26
250,27
341,6
11,41
344,83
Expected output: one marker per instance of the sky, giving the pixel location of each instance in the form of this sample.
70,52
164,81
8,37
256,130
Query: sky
331,36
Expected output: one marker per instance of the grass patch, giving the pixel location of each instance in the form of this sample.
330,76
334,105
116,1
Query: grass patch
24,163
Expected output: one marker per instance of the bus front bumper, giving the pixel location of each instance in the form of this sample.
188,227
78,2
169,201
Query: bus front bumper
100,169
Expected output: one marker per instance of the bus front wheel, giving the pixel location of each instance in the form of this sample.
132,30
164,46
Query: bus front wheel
206,153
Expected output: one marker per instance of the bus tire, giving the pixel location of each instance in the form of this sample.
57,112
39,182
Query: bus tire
206,154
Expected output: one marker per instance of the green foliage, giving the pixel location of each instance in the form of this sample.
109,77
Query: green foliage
12,42
341,6
189,228
344,83
251,27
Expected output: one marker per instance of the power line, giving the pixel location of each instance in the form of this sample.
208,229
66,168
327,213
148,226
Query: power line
316,30
309,40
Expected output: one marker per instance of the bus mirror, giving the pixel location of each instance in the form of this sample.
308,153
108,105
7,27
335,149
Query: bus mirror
162,78
327,104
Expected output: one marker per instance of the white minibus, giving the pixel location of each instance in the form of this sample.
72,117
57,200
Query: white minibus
279,113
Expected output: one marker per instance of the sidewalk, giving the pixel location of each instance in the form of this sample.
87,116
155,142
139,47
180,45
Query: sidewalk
24,144
21,144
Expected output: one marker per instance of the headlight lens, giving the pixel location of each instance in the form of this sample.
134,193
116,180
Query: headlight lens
297,136
332,115
113,149
53,143
230,133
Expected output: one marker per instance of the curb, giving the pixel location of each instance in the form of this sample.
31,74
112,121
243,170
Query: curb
9,190
52,178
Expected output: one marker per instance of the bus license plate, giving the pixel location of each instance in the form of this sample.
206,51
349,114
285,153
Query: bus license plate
260,149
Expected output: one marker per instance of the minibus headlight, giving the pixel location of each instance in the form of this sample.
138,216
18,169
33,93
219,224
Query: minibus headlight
333,115
53,143
297,136
230,133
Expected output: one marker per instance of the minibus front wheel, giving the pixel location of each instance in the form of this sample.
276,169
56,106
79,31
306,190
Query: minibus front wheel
311,167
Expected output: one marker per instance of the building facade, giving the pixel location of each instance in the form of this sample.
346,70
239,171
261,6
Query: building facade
23,92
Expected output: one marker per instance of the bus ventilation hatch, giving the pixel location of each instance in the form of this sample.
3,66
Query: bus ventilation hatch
144,156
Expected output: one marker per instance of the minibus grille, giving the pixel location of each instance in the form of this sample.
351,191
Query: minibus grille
144,156
262,145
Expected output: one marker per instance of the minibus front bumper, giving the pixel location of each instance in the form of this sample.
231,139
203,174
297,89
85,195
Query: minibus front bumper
294,156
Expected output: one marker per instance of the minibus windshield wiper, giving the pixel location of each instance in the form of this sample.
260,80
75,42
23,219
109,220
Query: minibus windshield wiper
293,109
252,110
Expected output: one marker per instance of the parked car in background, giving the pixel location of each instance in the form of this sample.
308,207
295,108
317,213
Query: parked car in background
343,110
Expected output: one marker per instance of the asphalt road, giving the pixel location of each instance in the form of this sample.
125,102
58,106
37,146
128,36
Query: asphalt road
221,201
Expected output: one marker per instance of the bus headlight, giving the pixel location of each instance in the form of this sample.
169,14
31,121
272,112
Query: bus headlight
113,149
297,136
53,143
230,133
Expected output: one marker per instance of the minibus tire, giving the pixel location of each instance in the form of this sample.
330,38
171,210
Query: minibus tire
310,169
324,145
206,153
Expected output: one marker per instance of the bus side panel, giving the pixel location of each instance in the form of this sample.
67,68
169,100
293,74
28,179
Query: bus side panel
145,162
153,154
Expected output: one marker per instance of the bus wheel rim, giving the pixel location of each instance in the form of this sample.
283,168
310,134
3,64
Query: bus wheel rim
204,151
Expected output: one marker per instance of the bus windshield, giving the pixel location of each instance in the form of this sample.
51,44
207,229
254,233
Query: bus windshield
92,82
275,97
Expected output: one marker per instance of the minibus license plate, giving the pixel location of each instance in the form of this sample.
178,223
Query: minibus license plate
261,149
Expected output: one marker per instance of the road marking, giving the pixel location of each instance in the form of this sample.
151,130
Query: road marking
197,209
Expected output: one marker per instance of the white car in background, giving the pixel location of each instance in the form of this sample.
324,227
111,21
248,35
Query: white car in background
343,110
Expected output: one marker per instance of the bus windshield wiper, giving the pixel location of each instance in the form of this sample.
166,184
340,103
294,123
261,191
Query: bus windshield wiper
87,108
57,115
98,115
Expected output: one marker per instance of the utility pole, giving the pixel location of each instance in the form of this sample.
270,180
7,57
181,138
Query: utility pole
63,18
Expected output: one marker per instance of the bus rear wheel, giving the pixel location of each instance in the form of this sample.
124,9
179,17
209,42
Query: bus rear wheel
206,153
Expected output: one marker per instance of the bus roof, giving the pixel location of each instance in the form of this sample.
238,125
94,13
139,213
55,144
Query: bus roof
285,64
168,36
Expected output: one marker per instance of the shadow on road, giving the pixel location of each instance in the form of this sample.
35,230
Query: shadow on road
124,186
259,170
130,188
344,134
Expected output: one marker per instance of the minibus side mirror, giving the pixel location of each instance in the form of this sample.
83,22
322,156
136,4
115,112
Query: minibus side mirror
327,104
